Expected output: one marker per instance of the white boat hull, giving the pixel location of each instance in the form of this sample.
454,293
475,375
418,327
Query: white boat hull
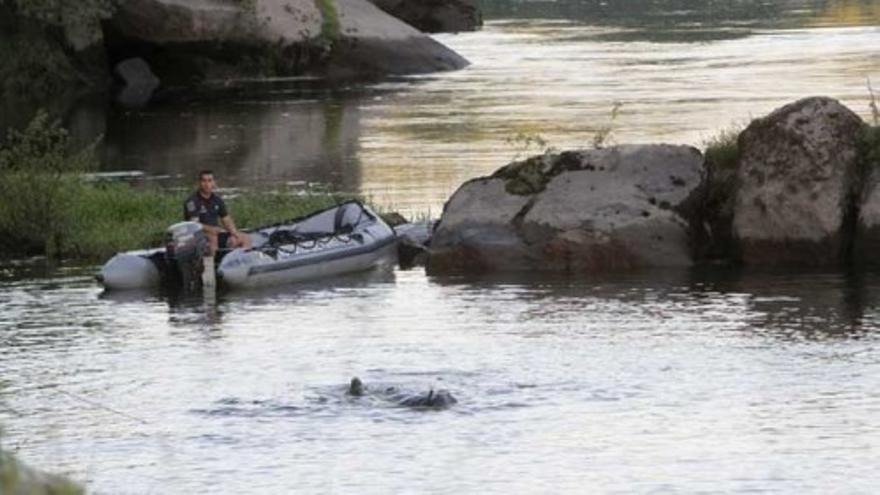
274,273
132,270
344,239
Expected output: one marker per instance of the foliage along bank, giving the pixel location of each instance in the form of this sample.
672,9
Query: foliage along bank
60,212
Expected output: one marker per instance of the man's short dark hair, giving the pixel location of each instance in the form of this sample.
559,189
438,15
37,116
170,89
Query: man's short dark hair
205,172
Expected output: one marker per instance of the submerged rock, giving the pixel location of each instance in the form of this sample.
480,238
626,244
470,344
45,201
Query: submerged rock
798,181
440,399
579,211
214,39
435,16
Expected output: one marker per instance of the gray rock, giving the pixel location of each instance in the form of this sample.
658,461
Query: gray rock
435,16
139,82
440,399
412,243
217,39
580,211
796,177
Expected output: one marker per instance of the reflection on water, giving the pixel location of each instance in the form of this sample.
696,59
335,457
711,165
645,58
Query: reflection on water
660,15
682,71
701,380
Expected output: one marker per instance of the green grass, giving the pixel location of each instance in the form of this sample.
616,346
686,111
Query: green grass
722,150
329,21
58,213
109,218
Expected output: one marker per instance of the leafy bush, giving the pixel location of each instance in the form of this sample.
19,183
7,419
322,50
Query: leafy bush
66,13
36,46
38,174
34,66
52,209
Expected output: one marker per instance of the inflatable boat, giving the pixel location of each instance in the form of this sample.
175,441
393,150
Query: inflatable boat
345,238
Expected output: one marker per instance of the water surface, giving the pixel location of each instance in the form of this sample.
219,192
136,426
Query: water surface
658,382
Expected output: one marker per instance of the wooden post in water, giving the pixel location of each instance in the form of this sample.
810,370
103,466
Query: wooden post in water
209,279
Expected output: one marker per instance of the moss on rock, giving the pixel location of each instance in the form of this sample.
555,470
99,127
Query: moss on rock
329,23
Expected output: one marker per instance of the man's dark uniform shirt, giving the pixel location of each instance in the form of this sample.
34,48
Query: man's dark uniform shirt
209,211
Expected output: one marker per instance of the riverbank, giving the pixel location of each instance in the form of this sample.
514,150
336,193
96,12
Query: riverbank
62,212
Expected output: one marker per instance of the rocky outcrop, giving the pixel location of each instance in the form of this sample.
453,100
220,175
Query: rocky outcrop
797,184
580,211
436,16
194,40
799,187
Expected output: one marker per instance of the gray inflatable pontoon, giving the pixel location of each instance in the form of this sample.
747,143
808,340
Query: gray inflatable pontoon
343,239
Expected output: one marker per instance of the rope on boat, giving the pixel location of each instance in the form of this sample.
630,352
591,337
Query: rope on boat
297,240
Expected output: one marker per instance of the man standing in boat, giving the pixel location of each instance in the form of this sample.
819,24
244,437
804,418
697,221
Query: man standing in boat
209,209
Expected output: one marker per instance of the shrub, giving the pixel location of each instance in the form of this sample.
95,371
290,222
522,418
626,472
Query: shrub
722,149
53,210
39,175
65,13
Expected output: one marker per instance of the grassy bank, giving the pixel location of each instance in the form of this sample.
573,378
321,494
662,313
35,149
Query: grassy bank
92,221
114,217
51,209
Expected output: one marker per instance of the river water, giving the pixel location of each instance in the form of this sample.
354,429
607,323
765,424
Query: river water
660,382
653,383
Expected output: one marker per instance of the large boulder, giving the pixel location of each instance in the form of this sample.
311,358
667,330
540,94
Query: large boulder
797,179
191,40
372,42
436,16
138,80
579,211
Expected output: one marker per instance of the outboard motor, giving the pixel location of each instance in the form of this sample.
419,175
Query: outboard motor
186,244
